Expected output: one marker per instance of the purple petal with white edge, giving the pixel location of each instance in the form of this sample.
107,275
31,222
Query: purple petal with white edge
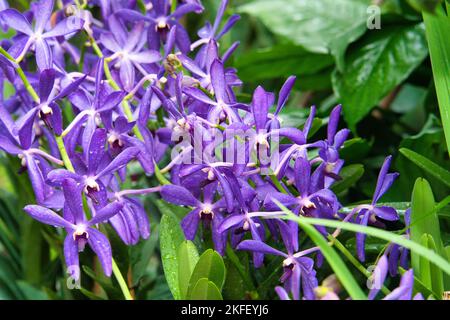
218,81
106,213
379,275
71,256
47,216
178,195
386,213
43,13
197,94
260,247
65,27
14,19
120,161
44,58
190,223
134,36
100,245
46,82
285,92
74,201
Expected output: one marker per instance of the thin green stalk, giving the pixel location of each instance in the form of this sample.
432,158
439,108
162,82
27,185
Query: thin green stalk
123,285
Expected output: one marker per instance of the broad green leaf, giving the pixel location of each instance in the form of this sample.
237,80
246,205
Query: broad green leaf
171,238
188,257
280,61
380,61
429,166
321,26
210,266
340,269
437,30
424,219
205,290
350,175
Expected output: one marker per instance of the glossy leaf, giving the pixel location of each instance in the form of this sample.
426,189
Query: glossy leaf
205,290
171,238
209,266
381,61
188,256
321,26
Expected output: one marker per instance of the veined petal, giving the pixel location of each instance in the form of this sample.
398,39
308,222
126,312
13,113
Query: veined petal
65,27
71,256
14,19
120,161
260,247
47,216
178,195
189,224
106,212
44,57
100,245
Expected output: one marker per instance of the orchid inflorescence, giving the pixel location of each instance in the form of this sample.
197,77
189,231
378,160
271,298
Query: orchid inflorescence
142,90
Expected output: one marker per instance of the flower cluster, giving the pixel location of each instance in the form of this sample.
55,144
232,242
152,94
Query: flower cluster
142,89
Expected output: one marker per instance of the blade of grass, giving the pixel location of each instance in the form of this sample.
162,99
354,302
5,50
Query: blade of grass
437,29
427,165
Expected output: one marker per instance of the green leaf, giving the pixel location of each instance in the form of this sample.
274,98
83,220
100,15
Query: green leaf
437,30
321,26
429,166
350,175
205,290
381,61
209,266
280,61
340,269
437,279
188,255
171,238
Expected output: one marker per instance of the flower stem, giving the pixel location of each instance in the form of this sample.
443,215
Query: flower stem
123,285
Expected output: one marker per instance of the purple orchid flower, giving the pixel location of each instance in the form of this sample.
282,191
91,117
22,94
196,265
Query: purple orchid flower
369,213
207,211
94,174
161,21
128,52
298,269
79,230
47,110
37,36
